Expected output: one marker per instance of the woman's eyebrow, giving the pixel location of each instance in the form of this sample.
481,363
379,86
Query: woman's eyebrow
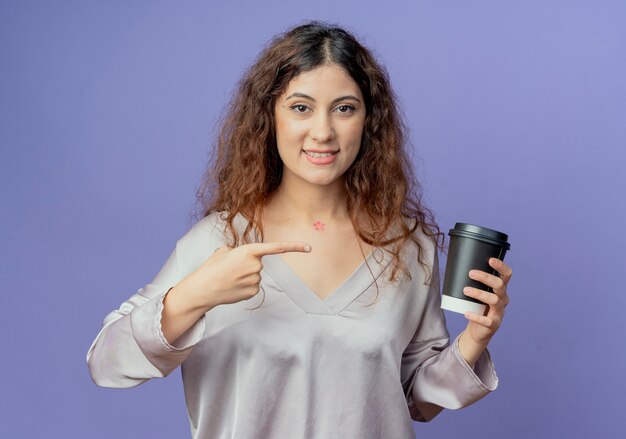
305,96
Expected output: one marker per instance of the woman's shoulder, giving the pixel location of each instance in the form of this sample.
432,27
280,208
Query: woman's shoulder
207,225
422,238
200,241
424,233
212,227
205,232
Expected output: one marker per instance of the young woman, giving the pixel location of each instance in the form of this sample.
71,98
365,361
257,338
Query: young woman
305,303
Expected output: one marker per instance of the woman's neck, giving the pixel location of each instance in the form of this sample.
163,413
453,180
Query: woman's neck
303,202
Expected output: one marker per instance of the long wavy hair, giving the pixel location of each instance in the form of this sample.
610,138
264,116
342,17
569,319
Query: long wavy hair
246,169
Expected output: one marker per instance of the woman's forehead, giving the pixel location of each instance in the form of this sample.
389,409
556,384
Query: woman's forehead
324,82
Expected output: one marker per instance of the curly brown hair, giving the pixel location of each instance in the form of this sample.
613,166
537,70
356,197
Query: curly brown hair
380,183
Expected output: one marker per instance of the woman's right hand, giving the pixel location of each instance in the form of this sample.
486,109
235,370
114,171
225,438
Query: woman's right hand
231,275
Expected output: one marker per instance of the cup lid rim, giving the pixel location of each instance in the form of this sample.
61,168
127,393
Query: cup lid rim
478,232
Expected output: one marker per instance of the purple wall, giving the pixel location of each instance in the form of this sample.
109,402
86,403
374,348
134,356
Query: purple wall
518,110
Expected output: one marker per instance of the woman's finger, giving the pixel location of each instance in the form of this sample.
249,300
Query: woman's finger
260,249
495,282
505,271
484,296
487,322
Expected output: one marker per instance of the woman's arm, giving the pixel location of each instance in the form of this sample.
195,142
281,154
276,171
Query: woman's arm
480,329
131,347
155,330
435,373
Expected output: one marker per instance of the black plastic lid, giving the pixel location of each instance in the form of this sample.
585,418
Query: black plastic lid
480,233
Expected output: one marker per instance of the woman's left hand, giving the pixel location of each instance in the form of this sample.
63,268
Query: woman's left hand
481,328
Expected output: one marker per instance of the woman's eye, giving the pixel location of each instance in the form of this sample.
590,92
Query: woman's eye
344,109
299,108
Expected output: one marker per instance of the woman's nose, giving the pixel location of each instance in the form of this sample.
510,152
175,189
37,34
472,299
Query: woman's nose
322,129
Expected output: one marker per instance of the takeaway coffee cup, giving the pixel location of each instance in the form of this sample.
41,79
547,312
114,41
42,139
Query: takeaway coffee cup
470,249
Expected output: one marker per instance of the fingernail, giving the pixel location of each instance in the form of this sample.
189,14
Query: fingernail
307,247
472,273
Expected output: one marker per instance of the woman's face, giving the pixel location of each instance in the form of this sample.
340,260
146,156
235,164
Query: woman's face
319,124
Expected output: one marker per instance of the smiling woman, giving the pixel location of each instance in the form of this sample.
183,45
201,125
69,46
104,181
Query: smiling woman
319,123
311,201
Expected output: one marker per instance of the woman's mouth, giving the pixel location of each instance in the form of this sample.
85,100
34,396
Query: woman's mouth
320,158
319,154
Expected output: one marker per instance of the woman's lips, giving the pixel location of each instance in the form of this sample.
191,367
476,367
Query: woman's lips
325,160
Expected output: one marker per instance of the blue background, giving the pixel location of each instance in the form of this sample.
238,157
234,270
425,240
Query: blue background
107,113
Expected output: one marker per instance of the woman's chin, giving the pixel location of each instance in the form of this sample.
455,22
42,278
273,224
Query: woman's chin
323,180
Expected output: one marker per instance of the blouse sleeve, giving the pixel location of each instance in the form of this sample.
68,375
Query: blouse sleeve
130,347
434,373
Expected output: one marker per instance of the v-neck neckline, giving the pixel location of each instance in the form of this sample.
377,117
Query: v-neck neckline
351,288
307,299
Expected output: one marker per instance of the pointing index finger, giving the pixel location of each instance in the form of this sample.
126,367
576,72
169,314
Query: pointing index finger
272,248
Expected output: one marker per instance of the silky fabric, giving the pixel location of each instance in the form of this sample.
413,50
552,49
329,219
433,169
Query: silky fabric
362,363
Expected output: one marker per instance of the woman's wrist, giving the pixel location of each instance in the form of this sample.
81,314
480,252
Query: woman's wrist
188,301
470,349
179,313
180,302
